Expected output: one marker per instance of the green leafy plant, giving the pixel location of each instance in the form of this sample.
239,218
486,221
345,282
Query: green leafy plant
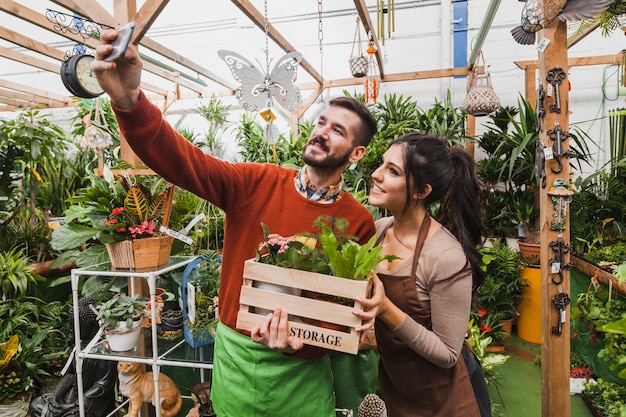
479,340
207,283
607,397
502,289
17,279
351,260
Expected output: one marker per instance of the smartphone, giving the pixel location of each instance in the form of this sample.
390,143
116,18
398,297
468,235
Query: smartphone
120,44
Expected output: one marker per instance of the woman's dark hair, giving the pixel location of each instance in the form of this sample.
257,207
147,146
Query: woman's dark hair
451,173
368,127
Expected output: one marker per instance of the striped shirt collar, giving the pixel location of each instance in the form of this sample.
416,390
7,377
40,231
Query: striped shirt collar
327,194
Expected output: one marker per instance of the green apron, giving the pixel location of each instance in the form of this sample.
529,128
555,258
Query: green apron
253,381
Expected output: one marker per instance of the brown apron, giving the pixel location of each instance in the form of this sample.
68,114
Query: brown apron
411,385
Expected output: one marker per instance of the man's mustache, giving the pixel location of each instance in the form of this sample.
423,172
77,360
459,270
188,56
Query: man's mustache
319,142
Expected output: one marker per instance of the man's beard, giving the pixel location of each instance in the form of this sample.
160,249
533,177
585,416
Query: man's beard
329,162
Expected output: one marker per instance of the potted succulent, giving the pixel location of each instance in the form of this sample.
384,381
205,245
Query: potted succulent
122,317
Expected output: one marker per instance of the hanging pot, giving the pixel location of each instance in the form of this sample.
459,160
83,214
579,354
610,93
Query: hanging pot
358,61
481,99
358,66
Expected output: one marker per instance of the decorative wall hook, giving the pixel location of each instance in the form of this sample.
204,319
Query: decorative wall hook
561,197
76,25
558,135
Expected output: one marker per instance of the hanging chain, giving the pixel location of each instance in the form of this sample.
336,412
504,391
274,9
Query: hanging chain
320,36
267,58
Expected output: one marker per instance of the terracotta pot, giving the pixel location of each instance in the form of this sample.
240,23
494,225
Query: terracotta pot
531,252
507,326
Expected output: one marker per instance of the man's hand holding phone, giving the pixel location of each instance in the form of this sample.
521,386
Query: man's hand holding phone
120,44
117,66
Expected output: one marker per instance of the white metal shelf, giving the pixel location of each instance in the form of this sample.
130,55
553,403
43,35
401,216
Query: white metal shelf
156,360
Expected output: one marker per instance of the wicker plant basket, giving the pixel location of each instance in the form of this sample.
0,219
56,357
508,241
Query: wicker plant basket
358,66
15,407
481,99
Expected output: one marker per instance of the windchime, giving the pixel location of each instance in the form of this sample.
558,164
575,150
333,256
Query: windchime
481,99
383,9
371,82
358,62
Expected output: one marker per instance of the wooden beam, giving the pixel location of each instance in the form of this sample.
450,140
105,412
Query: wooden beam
258,19
364,14
98,14
581,61
555,348
43,95
28,60
582,33
146,16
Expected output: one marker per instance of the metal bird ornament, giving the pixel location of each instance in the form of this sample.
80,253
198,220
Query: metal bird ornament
533,20
258,88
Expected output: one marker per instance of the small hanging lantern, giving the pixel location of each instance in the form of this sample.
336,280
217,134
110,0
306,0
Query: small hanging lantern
371,82
481,99
358,62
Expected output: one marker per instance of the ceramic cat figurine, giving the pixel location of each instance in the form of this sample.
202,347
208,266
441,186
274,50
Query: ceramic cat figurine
138,386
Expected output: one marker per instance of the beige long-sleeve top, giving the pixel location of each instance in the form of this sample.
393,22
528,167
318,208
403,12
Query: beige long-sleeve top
443,291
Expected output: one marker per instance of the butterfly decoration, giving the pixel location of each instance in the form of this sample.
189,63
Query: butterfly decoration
258,88
534,19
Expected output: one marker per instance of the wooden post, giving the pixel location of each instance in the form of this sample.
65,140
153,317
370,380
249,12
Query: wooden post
555,348
124,11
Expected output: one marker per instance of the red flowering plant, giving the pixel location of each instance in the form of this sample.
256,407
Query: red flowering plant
138,216
488,323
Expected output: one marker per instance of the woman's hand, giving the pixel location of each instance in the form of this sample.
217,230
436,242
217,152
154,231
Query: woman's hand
372,307
274,333
120,79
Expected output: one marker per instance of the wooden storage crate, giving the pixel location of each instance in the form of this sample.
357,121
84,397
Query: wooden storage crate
331,314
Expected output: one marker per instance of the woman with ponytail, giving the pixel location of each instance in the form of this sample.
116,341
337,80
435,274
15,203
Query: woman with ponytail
422,299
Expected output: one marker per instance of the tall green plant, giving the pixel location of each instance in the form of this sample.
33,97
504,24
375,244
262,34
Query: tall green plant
35,141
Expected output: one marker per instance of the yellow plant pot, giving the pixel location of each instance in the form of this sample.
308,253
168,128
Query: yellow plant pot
529,320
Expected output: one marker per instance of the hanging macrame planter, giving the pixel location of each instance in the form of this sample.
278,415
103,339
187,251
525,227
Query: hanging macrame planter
481,99
358,63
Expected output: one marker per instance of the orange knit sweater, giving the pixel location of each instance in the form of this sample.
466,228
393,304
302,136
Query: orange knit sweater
249,194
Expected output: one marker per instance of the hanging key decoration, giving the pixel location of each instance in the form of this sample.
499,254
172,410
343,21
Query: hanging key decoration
560,301
558,135
555,77
540,109
540,162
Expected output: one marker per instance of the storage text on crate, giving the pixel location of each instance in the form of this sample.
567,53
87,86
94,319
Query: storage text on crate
321,323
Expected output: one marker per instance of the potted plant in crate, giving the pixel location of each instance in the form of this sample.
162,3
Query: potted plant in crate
134,240
122,215
324,312
122,317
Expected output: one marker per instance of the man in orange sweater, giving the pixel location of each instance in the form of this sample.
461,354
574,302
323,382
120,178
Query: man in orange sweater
268,373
